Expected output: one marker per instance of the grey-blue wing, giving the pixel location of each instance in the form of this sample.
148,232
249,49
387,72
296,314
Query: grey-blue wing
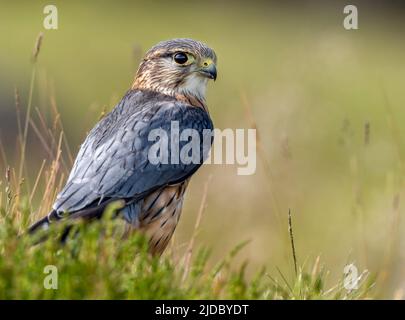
113,161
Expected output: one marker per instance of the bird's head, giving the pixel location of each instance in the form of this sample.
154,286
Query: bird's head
178,66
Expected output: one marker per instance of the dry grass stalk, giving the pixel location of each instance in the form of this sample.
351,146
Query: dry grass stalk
189,251
290,231
37,47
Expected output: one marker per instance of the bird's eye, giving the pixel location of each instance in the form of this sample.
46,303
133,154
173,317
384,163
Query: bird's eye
180,57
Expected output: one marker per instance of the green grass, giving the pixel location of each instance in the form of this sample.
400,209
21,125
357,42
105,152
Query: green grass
96,264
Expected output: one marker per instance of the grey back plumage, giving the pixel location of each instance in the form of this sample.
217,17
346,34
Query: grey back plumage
113,161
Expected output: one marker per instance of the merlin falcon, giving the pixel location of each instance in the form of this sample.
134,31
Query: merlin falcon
113,162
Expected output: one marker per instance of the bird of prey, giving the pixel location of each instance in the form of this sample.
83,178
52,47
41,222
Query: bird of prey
113,162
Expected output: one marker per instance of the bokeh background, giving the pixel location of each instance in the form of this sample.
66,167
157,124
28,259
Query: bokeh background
329,105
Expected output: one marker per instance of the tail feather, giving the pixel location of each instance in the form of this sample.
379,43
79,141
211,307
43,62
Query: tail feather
88,214
44,223
40,224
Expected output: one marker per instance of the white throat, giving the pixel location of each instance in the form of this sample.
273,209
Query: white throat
194,85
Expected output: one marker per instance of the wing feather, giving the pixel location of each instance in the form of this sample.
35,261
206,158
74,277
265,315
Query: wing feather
113,161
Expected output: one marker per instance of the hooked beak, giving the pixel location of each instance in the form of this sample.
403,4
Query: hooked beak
209,70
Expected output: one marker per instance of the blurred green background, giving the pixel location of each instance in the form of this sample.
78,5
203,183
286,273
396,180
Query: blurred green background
328,104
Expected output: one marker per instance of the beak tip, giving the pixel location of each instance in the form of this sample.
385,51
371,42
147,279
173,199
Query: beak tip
210,72
213,72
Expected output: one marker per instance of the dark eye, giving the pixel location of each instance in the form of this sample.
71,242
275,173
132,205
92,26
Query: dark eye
180,57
